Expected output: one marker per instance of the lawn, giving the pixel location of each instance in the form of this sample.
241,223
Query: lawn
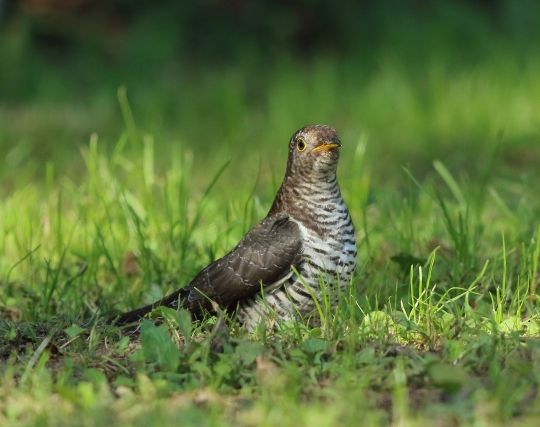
114,195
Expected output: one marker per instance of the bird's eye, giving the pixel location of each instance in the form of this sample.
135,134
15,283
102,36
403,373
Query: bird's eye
300,144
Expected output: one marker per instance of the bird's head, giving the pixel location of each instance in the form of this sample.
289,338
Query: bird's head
313,152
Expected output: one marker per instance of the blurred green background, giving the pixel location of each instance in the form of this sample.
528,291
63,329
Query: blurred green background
117,116
231,80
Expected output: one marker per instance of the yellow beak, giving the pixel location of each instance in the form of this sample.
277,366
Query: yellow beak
325,147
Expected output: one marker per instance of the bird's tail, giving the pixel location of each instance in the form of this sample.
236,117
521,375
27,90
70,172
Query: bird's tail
176,300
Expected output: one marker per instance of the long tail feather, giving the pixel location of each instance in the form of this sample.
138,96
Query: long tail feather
176,300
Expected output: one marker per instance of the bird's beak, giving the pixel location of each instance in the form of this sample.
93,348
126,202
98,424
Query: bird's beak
326,146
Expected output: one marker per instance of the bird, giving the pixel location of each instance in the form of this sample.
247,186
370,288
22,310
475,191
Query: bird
278,268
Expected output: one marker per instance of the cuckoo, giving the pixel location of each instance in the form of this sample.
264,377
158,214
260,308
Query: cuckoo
278,269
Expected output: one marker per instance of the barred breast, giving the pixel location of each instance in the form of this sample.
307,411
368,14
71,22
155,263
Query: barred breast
328,257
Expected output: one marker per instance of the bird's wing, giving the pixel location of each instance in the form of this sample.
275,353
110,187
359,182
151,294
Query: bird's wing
263,257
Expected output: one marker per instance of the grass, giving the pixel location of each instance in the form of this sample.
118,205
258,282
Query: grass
441,323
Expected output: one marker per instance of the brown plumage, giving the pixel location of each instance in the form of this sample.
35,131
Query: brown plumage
308,230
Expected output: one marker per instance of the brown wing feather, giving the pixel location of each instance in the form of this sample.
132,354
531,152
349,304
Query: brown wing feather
263,257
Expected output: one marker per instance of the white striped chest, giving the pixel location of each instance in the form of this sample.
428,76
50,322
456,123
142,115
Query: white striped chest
332,249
